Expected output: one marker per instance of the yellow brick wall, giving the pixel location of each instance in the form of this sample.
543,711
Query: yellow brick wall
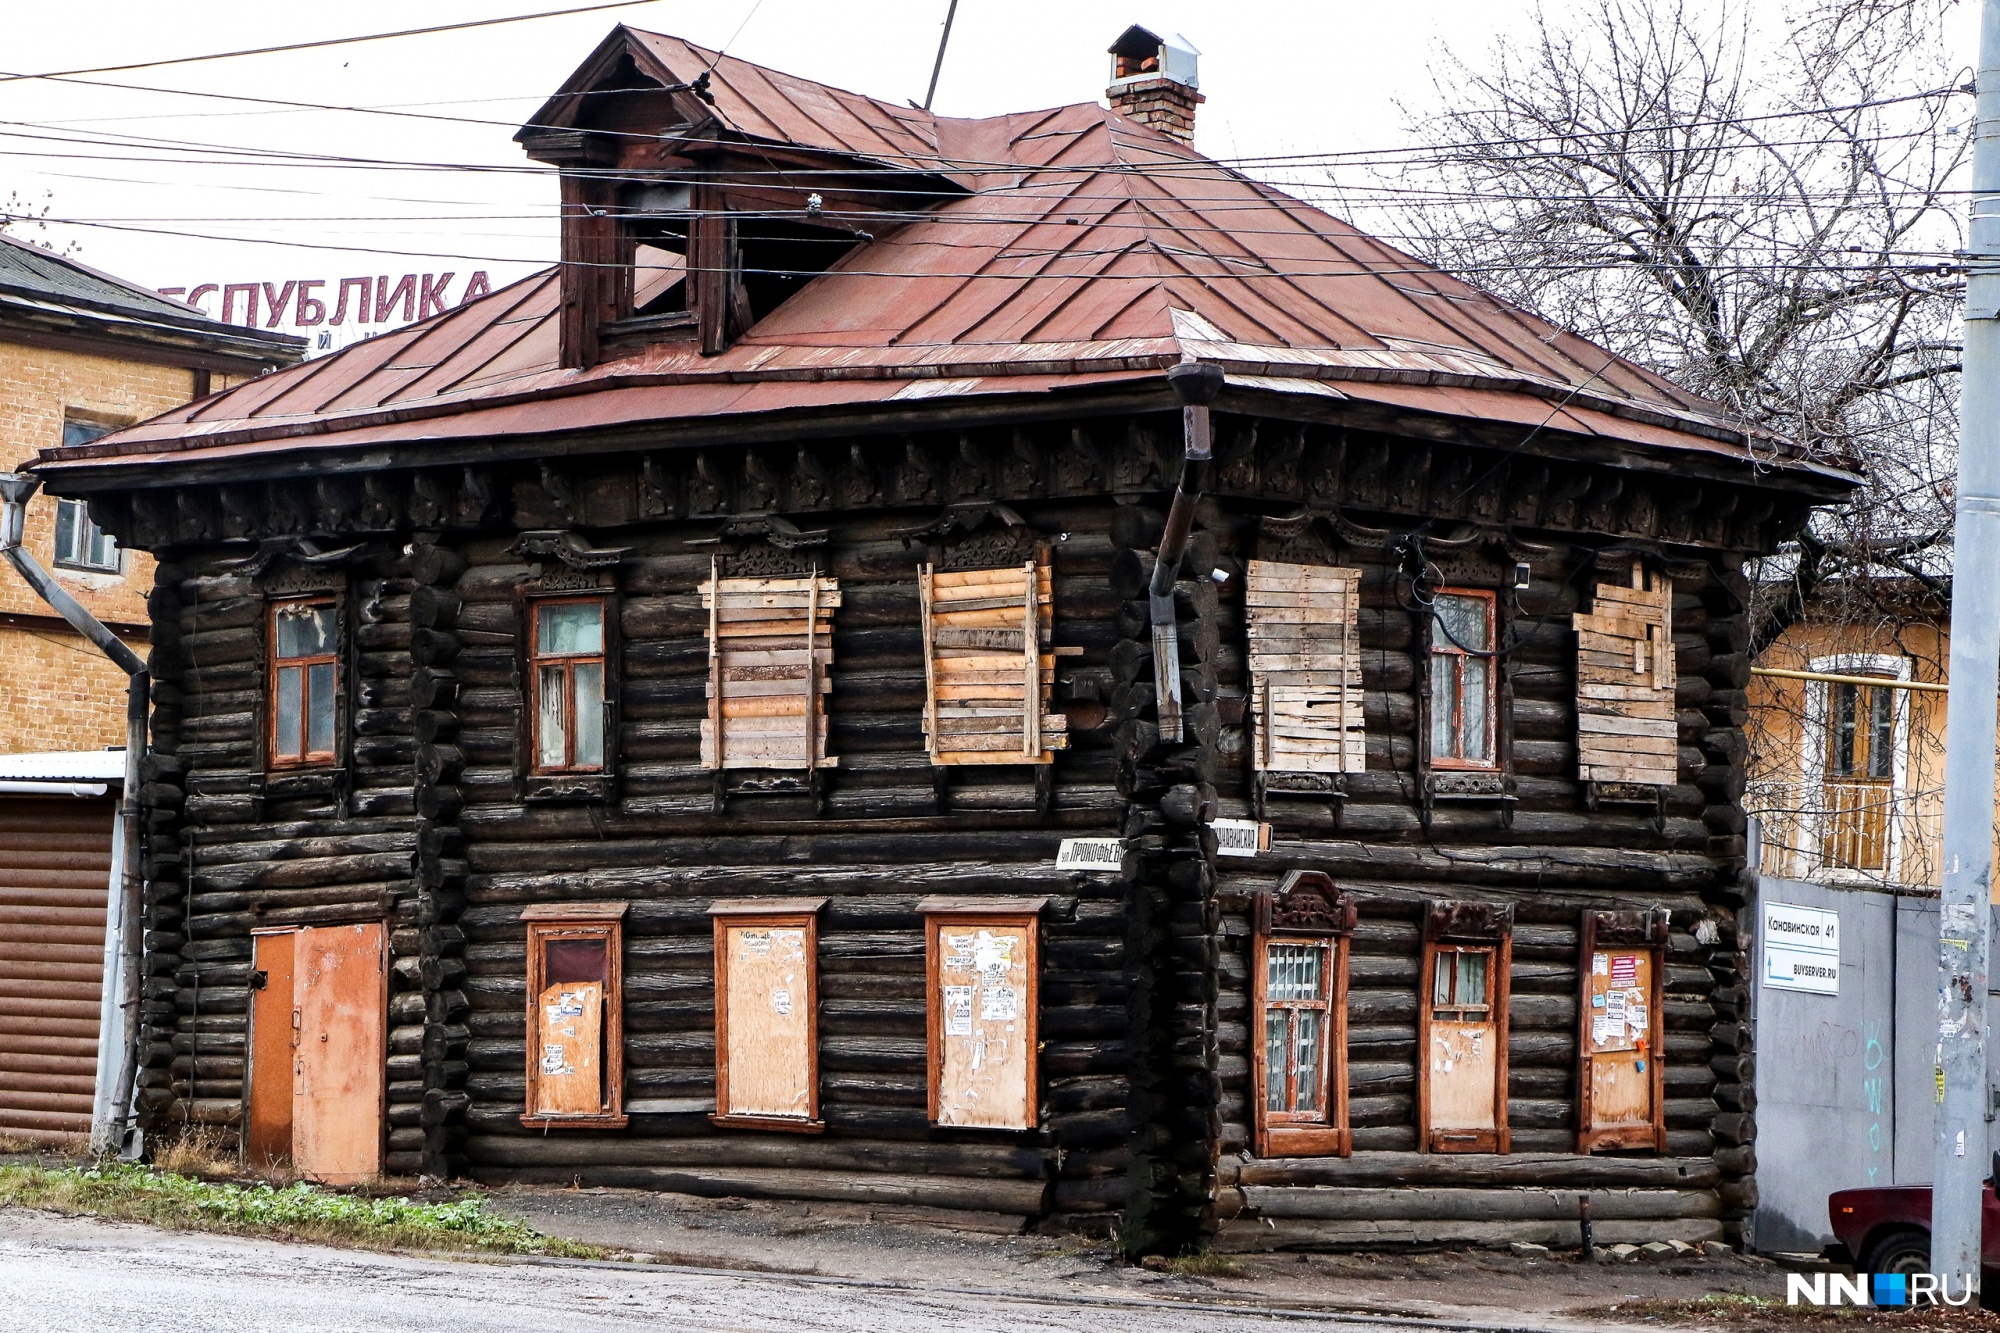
57,692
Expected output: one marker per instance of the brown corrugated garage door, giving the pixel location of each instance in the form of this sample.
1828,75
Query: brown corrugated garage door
55,868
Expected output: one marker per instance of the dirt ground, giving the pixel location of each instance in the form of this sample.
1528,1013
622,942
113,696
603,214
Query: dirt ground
841,1240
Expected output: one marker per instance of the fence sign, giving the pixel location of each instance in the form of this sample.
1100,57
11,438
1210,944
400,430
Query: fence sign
1801,949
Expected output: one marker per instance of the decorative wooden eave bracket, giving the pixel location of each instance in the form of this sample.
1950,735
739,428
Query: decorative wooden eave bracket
297,550
779,531
567,547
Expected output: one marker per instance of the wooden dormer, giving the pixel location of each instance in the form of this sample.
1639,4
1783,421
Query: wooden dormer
685,217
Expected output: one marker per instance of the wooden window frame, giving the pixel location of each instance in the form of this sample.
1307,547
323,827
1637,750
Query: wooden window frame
275,758
1449,651
941,913
1623,932
780,913
579,921
537,659
1305,909
1461,927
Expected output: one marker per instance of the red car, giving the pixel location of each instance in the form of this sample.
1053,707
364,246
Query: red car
1887,1229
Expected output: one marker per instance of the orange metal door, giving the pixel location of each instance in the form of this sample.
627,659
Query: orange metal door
338,1083
273,1013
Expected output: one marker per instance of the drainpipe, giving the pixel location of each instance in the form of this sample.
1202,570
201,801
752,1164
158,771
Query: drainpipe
118,1018
1196,384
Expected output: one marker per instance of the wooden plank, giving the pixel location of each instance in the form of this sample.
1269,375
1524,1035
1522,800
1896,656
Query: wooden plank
1598,692
953,637
1652,776
1612,724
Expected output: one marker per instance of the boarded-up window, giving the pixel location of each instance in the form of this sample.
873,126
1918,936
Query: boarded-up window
770,645
1462,1028
576,1040
988,666
1299,984
1622,1042
1625,684
1305,667
766,1014
982,972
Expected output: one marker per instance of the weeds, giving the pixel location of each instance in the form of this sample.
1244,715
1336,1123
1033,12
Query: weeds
298,1212
1203,1265
199,1150
1753,1314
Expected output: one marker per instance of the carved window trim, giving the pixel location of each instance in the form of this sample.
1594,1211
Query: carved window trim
1442,654
557,922
1453,928
768,914
277,757
1305,910
538,662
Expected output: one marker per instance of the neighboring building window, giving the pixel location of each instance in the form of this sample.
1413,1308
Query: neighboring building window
566,664
1858,789
766,1014
77,432
1462,681
576,1022
305,679
80,543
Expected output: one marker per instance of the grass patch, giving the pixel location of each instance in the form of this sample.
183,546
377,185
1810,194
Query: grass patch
294,1212
1203,1265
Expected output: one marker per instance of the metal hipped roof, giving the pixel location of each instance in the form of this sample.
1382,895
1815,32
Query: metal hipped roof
1089,248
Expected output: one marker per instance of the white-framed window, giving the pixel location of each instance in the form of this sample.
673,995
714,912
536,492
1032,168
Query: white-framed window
81,544
1854,759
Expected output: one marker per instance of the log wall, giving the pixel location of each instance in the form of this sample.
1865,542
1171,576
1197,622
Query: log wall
1144,983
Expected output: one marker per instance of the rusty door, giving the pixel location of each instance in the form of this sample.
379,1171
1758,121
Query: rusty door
338,1087
274,1016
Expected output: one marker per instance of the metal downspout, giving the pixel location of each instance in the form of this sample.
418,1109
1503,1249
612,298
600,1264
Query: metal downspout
1196,385
117,1055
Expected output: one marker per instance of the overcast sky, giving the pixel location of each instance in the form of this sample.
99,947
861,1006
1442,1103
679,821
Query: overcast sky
1280,77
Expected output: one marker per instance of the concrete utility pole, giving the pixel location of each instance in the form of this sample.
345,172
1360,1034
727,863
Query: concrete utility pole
1960,1163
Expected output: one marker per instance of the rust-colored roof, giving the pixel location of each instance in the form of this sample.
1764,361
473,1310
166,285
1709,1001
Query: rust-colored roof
1088,249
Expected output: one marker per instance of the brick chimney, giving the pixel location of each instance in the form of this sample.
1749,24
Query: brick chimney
1153,81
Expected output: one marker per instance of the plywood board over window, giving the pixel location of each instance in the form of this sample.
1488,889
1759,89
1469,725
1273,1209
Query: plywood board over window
983,970
1622,1042
770,646
988,666
1299,1051
1625,683
767,1013
1305,667
576,1029
1462,1027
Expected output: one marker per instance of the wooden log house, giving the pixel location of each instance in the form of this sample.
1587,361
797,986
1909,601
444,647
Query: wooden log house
640,713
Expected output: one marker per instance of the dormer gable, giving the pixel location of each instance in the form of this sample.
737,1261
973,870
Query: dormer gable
698,195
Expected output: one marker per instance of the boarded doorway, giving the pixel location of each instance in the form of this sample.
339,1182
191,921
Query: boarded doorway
318,1047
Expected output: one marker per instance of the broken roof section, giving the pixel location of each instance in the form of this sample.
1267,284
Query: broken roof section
1084,249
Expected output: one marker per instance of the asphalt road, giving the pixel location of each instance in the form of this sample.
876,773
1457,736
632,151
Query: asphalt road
70,1275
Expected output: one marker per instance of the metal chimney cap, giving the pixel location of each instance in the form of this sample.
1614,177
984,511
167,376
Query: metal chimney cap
1141,53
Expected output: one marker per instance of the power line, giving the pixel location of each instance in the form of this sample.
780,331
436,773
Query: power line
326,41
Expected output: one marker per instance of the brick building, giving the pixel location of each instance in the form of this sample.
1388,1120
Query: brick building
81,353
